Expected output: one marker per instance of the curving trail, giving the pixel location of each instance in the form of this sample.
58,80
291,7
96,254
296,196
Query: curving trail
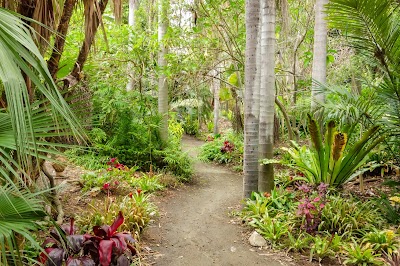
195,228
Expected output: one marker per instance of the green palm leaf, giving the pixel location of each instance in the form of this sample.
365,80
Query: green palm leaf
18,215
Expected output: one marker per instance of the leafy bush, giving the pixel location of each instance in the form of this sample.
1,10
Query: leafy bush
223,149
137,208
126,126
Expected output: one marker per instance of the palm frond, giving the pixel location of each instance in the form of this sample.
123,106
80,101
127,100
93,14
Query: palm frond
19,211
19,52
372,26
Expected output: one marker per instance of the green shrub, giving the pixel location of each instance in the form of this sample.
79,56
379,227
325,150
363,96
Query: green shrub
223,149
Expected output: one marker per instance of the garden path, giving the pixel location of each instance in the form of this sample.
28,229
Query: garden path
195,227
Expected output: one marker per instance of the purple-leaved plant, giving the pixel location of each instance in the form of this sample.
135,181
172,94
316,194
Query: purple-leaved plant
311,205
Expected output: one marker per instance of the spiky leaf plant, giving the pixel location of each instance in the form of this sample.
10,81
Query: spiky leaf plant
333,161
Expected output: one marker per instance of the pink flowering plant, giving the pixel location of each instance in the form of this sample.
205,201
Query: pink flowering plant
311,205
114,164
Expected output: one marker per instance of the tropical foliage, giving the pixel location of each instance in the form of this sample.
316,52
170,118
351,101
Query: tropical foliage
334,161
25,123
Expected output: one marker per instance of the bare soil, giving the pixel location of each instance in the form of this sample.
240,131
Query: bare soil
196,225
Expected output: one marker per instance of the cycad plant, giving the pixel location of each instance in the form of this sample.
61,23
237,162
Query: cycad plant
333,161
372,28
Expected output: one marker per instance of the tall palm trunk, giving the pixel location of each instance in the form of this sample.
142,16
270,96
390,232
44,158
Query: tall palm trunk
162,64
133,6
251,100
319,60
216,84
267,94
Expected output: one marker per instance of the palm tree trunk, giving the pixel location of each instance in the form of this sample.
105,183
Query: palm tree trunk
251,100
267,95
319,60
162,64
216,84
133,6
53,62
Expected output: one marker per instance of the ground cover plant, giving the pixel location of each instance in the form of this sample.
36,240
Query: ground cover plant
323,223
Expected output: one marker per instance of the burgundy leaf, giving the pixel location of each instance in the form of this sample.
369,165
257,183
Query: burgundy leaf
83,261
92,249
117,223
120,244
132,249
75,242
43,255
69,229
128,237
50,243
99,231
106,228
105,251
73,262
54,256
86,261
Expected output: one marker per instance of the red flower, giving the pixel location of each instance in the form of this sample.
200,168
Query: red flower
106,186
112,160
109,169
138,191
267,195
130,195
116,183
119,166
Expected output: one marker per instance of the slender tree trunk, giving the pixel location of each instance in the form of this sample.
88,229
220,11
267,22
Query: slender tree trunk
53,63
251,100
267,95
162,64
319,60
75,76
216,83
133,6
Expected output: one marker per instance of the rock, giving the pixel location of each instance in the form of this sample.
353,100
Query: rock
256,240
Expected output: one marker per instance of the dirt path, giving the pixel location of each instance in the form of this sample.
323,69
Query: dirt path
195,227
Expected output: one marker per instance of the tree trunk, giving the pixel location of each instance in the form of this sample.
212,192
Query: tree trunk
251,100
133,6
162,64
53,63
267,95
74,77
216,83
319,59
